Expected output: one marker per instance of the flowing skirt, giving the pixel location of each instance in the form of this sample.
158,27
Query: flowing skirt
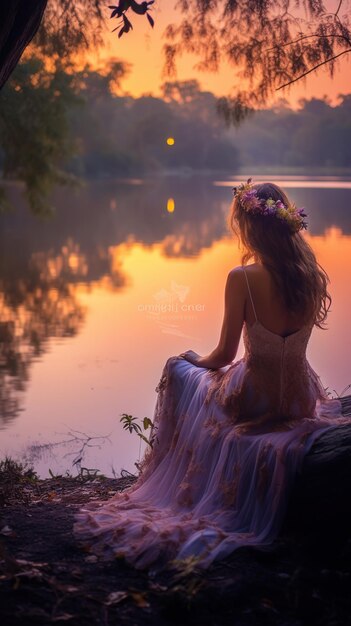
208,486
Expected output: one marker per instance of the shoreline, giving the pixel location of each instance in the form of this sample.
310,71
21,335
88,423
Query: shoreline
187,172
45,577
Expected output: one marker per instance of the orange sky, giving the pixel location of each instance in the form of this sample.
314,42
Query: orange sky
142,47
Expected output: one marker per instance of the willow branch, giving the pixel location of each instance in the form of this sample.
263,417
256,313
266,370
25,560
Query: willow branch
294,80
290,43
339,7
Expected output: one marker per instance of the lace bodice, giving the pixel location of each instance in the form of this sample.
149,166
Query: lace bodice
278,369
273,380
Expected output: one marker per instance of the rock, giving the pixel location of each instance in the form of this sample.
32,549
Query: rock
320,502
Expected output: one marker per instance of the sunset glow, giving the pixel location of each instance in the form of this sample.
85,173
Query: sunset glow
143,49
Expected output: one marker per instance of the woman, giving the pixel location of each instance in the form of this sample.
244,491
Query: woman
230,437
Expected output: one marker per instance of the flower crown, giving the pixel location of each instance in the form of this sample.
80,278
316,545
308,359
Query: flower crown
251,203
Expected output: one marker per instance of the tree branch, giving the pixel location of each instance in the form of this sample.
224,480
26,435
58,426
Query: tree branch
290,43
315,67
339,7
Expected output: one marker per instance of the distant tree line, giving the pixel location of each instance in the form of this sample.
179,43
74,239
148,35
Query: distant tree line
120,135
315,135
58,125
127,136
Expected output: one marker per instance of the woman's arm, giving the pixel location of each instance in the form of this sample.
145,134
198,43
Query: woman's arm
234,311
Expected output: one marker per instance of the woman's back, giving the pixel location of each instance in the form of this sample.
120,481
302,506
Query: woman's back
274,382
265,303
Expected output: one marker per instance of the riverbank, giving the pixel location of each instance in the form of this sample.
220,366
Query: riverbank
45,577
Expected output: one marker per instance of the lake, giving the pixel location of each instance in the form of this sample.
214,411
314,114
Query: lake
95,298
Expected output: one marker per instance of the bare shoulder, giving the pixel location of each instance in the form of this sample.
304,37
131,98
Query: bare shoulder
258,277
257,272
236,274
236,279
254,269
235,291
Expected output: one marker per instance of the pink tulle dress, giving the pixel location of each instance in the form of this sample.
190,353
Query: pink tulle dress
228,445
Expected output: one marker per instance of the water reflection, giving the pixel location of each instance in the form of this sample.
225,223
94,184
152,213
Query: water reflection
139,241
41,261
37,301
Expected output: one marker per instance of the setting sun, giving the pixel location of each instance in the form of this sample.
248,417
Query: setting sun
170,205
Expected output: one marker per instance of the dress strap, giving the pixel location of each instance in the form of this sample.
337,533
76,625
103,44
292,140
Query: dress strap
250,294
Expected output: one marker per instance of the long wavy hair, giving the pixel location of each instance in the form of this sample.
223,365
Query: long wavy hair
299,278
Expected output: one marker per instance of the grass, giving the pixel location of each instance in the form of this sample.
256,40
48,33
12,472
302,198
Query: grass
16,481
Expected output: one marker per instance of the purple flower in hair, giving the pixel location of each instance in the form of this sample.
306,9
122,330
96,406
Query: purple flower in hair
269,207
251,200
270,210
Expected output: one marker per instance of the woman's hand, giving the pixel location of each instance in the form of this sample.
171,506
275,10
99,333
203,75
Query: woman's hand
191,356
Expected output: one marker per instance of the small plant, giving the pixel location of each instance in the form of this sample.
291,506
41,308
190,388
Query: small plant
135,425
15,479
138,426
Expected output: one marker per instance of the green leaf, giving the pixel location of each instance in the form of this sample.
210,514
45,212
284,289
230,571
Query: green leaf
147,423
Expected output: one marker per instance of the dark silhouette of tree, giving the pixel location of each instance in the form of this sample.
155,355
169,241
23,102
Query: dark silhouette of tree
19,21
62,27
